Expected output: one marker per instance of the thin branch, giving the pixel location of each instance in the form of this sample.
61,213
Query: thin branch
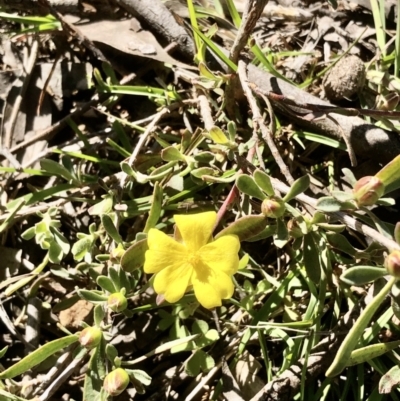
259,123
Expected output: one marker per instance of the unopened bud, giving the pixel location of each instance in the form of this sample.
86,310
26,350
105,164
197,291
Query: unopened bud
273,207
90,337
116,382
368,190
117,302
392,263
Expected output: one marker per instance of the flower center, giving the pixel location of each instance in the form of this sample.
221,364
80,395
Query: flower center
193,259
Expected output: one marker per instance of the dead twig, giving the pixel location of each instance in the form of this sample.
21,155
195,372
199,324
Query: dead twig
28,68
259,122
367,139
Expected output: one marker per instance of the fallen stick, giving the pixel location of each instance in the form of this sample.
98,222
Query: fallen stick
367,140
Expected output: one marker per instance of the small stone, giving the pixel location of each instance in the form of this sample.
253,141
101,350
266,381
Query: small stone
344,79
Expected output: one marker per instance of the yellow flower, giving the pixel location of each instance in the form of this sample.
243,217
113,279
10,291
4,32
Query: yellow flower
193,260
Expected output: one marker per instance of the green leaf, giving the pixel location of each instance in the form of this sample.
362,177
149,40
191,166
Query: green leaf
61,240
65,303
311,258
390,175
81,247
328,204
95,297
181,331
342,196
346,348
298,187
340,242
216,49
336,228
171,154
389,380
3,351
264,182
38,356
56,169
103,207
134,256
6,396
204,157
29,233
360,275
282,235
106,284
114,275
218,136
109,226
268,231
140,375
124,281
397,232
199,361
245,228
248,186
98,315
232,129
349,176
95,375
369,352
111,353
208,338
55,252
200,327
156,208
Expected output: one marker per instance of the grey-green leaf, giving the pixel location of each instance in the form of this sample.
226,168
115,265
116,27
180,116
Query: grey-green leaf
38,356
140,375
245,228
98,315
134,256
328,204
171,153
106,284
95,297
56,168
156,207
81,247
340,242
360,275
264,182
94,375
248,186
298,187
311,258
372,351
109,226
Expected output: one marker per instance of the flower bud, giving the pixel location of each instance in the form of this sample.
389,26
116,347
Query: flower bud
368,190
90,337
273,207
116,382
392,263
117,302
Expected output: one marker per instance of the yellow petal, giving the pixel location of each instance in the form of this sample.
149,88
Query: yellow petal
173,282
163,252
196,229
210,286
222,254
